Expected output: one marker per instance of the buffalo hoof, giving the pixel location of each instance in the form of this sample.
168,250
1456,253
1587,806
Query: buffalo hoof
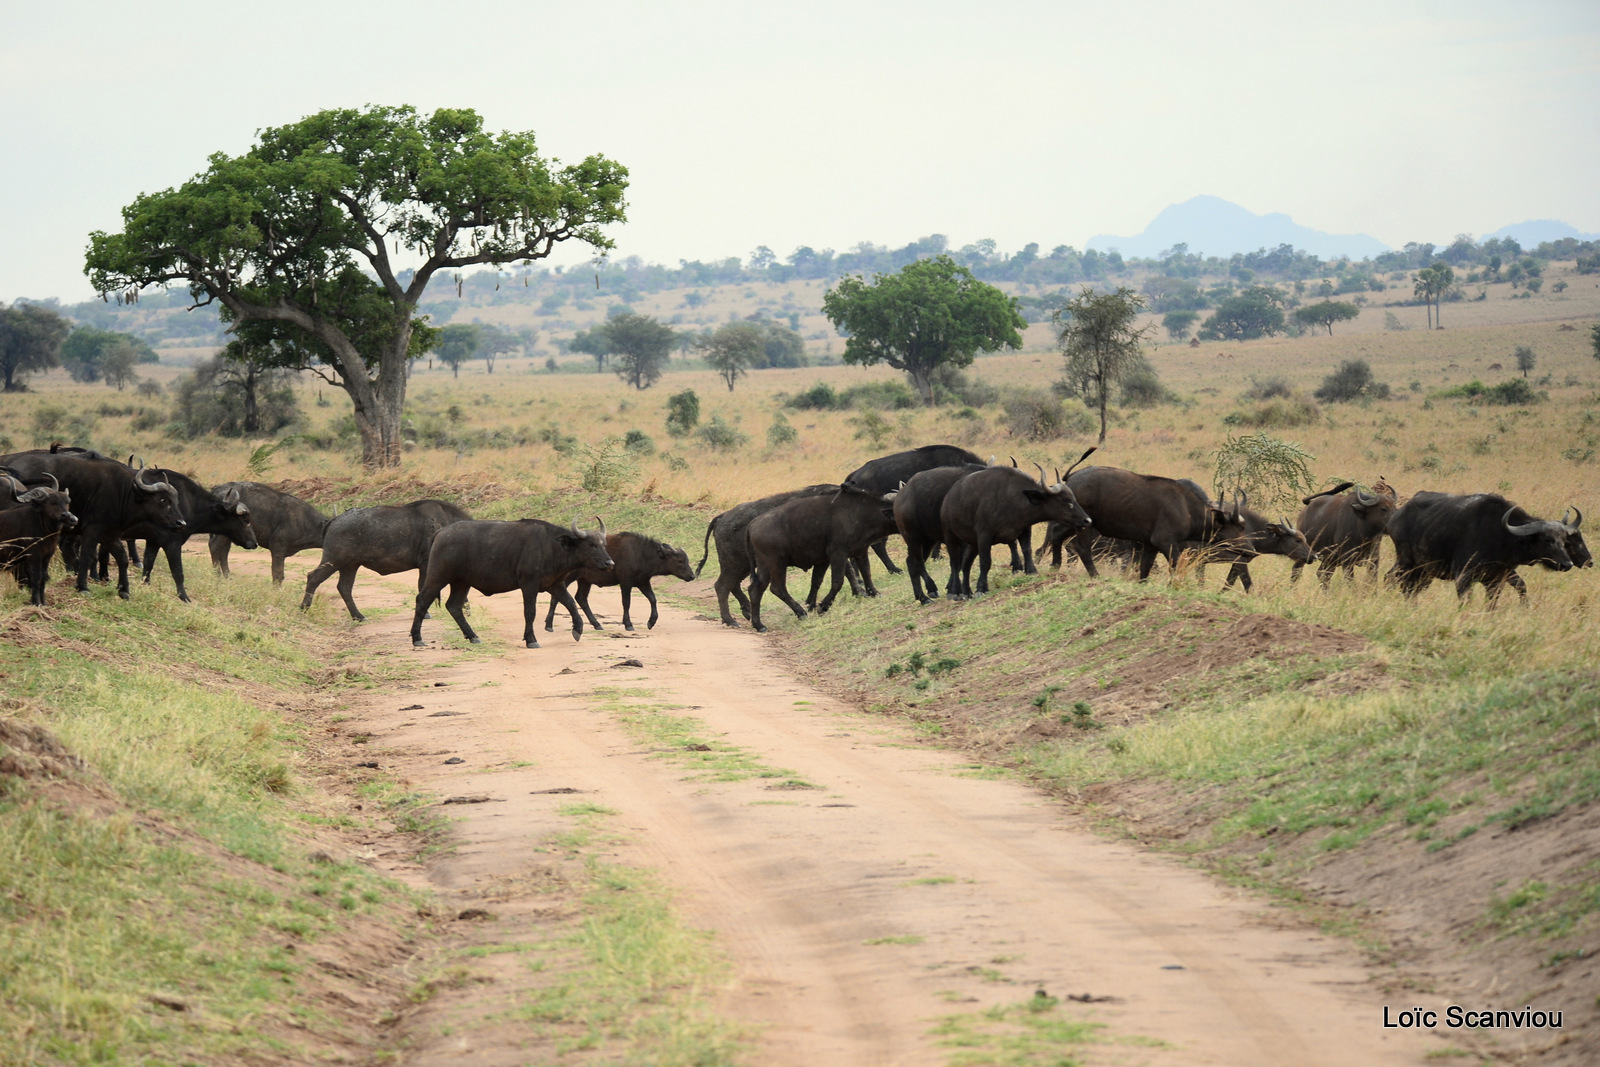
479,641
626,626
760,629
419,643
549,627
731,622
185,598
531,644
122,594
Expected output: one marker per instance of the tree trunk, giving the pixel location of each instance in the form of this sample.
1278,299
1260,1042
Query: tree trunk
252,418
923,380
1103,393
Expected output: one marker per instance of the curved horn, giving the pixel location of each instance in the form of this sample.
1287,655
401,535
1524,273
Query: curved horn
1576,523
1041,475
57,487
16,487
231,496
1365,499
1244,500
1013,461
1527,529
575,532
602,523
138,479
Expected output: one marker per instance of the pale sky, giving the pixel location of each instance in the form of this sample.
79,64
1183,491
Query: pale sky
828,124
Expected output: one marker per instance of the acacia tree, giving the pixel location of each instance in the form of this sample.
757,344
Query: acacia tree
456,344
30,340
1326,314
298,238
932,314
640,347
732,350
1099,340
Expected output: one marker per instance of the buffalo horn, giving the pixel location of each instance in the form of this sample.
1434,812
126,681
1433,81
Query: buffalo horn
16,487
1576,523
57,487
1366,500
575,532
1087,453
138,479
602,523
1041,475
1013,461
231,496
1527,529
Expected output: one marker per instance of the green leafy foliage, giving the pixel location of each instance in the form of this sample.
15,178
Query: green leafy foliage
933,312
1254,312
722,436
1273,471
683,413
1326,314
1100,343
31,337
1352,381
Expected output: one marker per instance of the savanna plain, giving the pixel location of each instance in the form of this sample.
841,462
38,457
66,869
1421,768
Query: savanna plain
209,857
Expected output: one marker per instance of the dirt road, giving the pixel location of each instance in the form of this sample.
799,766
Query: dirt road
902,889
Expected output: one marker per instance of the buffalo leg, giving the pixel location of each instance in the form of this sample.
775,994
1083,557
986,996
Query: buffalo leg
1516,582
219,546
277,567
780,589
458,597
120,554
550,615
347,585
985,560
882,549
174,564
1027,552
917,568
1239,572
650,595
758,586
726,587
841,571
863,565
319,574
582,601
1083,545
626,592
818,573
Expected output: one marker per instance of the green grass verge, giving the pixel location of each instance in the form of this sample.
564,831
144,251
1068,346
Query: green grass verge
170,870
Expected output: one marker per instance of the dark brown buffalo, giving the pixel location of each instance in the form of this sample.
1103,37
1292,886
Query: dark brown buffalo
108,497
1471,539
886,473
1577,551
222,515
996,506
635,560
733,553
814,532
382,539
1258,536
283,524
916,516
496,556
1345,527
31,522
1163,516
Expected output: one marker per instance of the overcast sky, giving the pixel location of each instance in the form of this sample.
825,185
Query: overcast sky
829,124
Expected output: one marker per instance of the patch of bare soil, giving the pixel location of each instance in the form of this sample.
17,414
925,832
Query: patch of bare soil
855,914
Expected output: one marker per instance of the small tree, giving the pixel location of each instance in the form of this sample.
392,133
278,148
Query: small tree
1252,313
494,342
1274,472
640,347
592,342
238,392
1099,341
732,350
1326,314
683,413
1179,323
84,350
1352,381
30,340
781,347
931,313
117,363
1525,359
457,344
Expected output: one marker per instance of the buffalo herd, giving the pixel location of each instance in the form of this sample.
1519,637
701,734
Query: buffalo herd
91,509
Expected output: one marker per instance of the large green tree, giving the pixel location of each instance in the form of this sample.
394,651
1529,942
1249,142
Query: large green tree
456,344
640,347
85,350
1250,313
1100,341
1326,314
732,350
306,237
30,340
932,314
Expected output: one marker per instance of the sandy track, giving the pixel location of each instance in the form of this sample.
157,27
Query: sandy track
1007,893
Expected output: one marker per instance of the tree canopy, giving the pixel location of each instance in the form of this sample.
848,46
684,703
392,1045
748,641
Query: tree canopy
30,340
732,350
1431,283
640,347
1253,312
302,238
84,352
1100,342
1326,314
931,314
456,344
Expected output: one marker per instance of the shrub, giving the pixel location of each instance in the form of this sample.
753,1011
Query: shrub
780,433
885,396
871,426
1266,390
1271,470
1142,388
819,397
1280,412
639,443
1352,381
720,436
605,467
1513,392
683,413
1040,415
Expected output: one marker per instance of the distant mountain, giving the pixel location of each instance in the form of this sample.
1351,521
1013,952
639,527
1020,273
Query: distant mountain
1534,232
1215,227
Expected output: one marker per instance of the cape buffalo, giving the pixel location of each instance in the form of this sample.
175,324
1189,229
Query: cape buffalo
916,516
283,524
31,522
218,514
994,506
733,553
496,556
1258,536
1161,515
1346,528
884,475
1468,539
814,531
382,539
635,560
108,497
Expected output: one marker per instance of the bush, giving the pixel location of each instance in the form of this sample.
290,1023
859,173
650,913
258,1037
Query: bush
215,399
683,413
1274,472
1277,413
639,443
780,433
720,436
1513,392
1142,388
1352,381
1040,415
819,397
1266,390
872,426
605,467
885,396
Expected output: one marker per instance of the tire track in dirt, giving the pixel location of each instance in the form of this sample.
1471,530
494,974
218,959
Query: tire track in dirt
978,891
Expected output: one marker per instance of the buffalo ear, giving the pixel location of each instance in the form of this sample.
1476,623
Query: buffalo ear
567,540
1036,496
